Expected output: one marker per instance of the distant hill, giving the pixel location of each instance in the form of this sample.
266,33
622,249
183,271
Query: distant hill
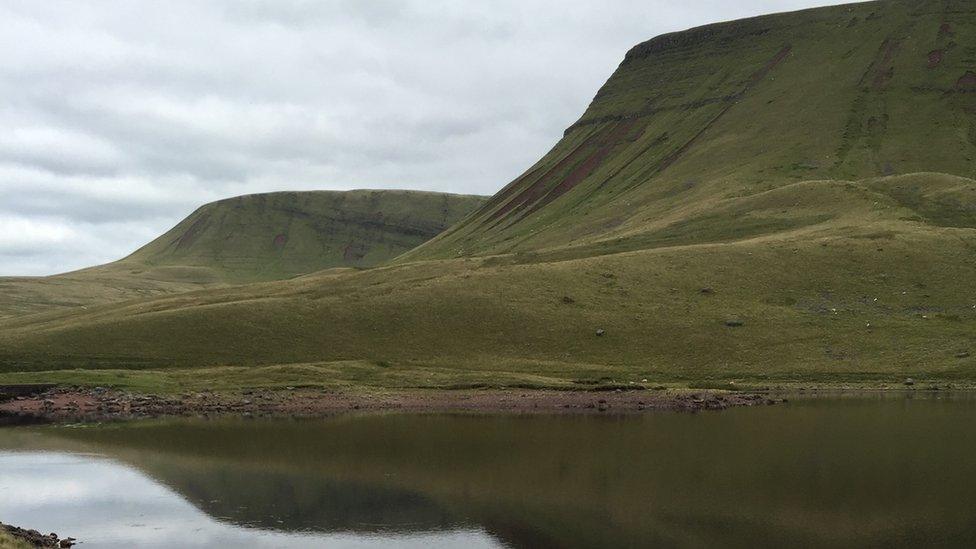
253,238
783,199
280,235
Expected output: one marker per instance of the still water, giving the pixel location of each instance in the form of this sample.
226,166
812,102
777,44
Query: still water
842,471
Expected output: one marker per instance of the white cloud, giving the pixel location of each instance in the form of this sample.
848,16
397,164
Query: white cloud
134,113
28,236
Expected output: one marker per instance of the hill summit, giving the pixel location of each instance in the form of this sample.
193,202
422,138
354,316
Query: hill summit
692,121
786,199
252,238
278,235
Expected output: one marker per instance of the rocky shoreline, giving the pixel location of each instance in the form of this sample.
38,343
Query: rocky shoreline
73,404
35,538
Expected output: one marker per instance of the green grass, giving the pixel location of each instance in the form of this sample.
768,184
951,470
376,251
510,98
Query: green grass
716,159
280,235
252,238
869,293
718,112
9,542
353,375
367,377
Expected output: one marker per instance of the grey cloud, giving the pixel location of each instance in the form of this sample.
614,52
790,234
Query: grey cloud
130,114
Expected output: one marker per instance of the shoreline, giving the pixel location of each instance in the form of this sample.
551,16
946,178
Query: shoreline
93,405
33,538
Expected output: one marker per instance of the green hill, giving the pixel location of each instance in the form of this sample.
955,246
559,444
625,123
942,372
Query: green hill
281,235
782,199
695,120
253,238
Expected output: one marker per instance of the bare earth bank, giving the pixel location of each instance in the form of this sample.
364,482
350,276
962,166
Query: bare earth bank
70,404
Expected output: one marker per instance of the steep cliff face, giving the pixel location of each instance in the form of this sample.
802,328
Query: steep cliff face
695,119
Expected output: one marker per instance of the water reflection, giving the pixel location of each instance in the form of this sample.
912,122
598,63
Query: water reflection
838,472
108,504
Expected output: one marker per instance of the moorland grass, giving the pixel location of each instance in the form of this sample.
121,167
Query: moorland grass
721,112
871,293
9,542
252,238
721,212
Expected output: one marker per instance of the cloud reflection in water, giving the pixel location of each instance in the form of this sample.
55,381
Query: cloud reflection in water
107,504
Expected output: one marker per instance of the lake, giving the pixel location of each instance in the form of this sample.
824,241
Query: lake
839,471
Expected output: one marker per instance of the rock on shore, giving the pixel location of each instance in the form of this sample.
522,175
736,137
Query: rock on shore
35,538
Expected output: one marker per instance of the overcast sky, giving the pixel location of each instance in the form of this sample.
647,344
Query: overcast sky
120,118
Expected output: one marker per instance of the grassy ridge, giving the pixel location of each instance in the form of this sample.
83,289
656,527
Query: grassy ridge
692,119
870,293
252,238
281,235
720,212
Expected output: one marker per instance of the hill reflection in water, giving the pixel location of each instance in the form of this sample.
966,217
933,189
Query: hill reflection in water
838,472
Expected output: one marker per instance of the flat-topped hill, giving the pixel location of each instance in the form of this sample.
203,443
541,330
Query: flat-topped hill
253,238
280,235
694,120
782,199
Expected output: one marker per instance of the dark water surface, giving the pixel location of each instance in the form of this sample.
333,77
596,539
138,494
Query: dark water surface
841,471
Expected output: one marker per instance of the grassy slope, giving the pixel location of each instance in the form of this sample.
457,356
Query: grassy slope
751,171
691,121
9,542
871,293
252,238
280,235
